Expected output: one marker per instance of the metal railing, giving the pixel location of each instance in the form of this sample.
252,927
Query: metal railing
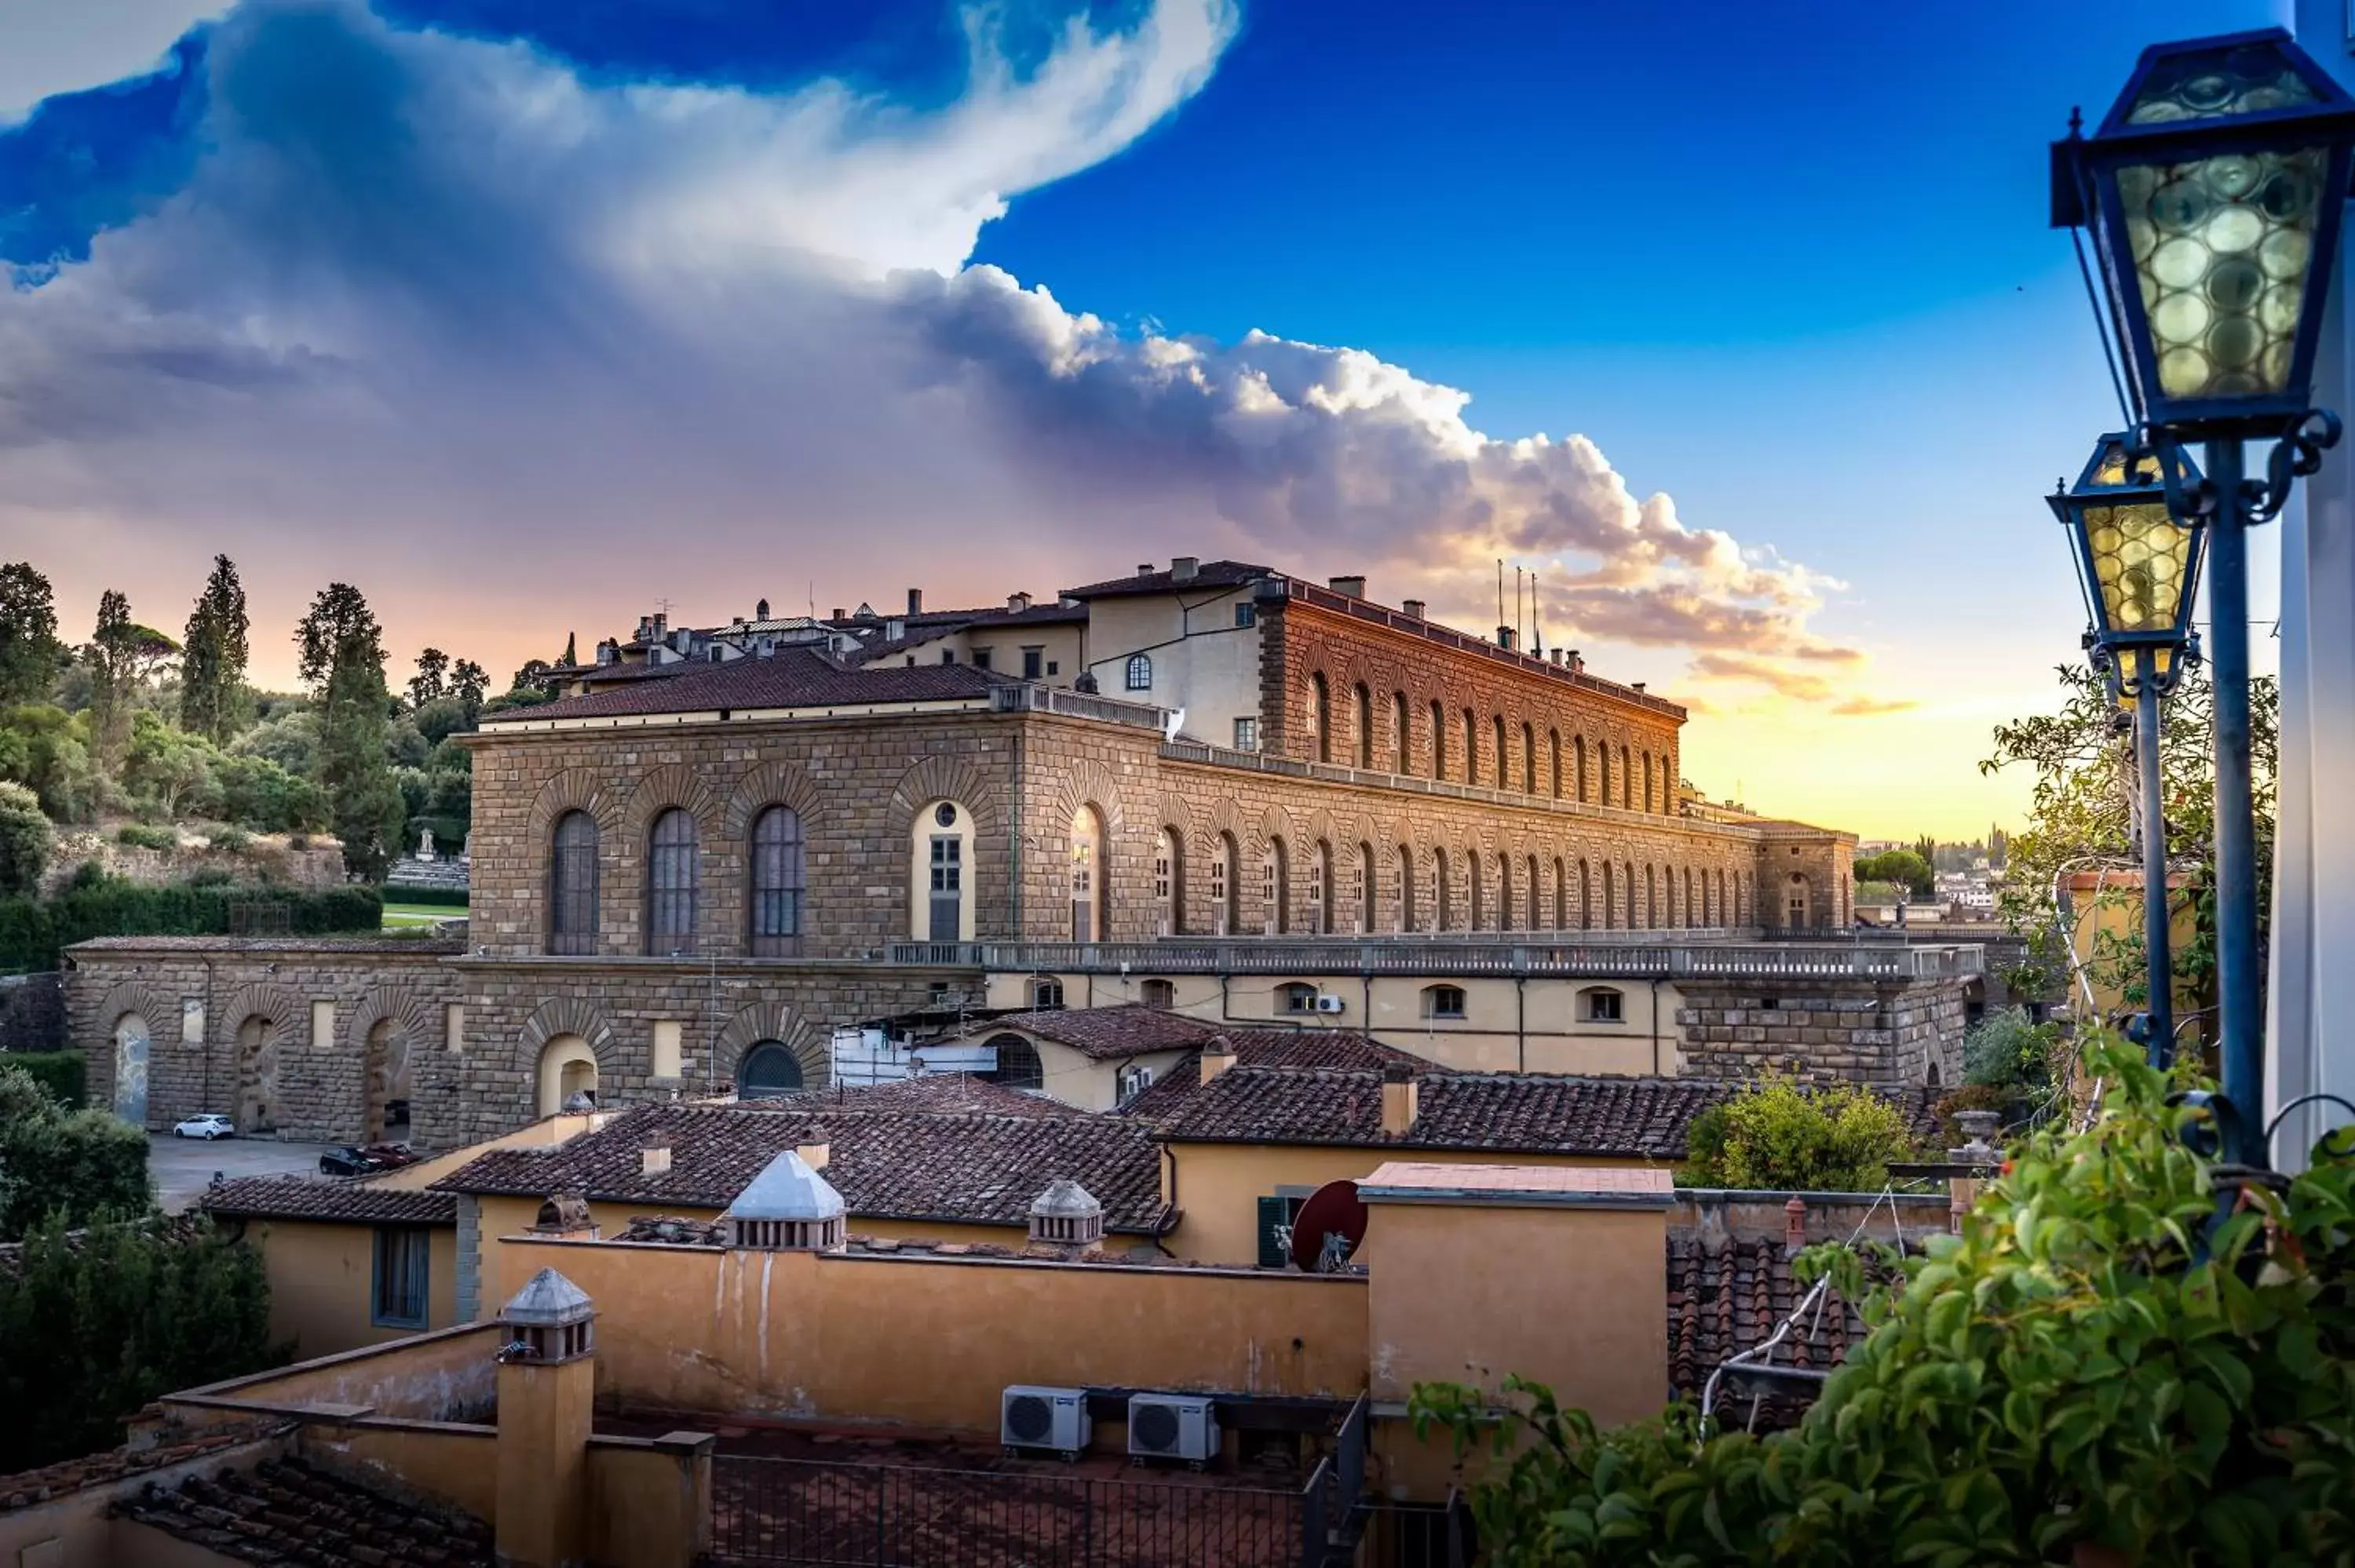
1507,957
827,1514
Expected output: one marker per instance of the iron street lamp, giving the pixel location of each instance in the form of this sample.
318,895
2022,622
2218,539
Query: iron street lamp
2139,568
2213,191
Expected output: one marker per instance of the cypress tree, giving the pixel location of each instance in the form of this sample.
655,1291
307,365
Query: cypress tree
342,653
213,657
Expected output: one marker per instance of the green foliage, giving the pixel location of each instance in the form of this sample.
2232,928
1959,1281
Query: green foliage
110,657
439,719
229,838
78,1164
43,748
213,659
61,1074
2074,1368
1777,1137
138,837
33,931
2006,1050
1904,866
28,634
432,681
99,1323
438,898
288,738
342,655
25,840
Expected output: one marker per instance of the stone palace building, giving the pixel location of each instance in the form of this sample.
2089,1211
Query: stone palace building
1229,792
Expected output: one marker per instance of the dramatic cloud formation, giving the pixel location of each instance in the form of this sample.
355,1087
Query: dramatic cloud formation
440,315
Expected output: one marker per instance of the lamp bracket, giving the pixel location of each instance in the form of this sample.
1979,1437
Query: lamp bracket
2296,454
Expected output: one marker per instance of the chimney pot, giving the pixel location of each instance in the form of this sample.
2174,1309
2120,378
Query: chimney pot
1185,568
1401,1101
1794,1224
1639,685
1017,602
838,614
1505,638
1144,568
1217,1058
1355,587
915,601
654,1160
1412,607
815,1155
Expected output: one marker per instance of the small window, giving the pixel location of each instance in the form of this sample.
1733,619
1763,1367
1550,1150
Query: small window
1247,614
1140,673
1276,1214
1034,661
1160,995
1295,998
948,655
981,657
398,1291
1603,1006
1047,995
1246,735
1132,1082
1054,667
1019,1066
1442,1002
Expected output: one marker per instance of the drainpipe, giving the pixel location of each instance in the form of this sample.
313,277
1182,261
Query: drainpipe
1656,1026
1521,1024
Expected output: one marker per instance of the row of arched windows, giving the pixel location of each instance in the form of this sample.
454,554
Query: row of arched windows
1463,749
1318,890
776,884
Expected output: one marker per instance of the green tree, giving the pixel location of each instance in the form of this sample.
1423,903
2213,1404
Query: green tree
342,655
432,680
213,659
1904,866
76,1163
28,634
98,1321
532,677
25,840
112,656
1777,1137
469,684
168,767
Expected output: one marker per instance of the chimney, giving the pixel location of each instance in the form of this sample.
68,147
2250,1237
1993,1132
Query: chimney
1505,638
1185,568
547,1379
1144,568
1639,685
1353,586
915,601
1412,607
760,610
838,614
1067,1218
564,1217
1794,1225
1400,1101
1577,665
1217,1058
1017,602
654,1160
815,1155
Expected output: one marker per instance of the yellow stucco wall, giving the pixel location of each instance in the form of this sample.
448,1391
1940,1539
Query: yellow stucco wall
934,1342
1218,1185
320,1283
2109,909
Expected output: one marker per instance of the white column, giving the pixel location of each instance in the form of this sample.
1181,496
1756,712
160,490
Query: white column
2311,1020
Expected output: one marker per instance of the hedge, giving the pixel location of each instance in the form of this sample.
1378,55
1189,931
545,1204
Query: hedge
60,1073
33,932
439,897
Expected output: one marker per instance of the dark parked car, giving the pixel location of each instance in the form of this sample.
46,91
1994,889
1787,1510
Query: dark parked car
350,1161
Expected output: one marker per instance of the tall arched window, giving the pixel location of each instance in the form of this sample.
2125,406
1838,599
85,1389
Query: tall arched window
1537,909
1401,742
1626,781
1476,909
1610,905
1275,889
1627,880
1553,762
1320,718
573,885
1364,716
1505,892
1443,912
671,877
942,845
1604,751
1405,890
1368,899
1087,876
1687,910
1651,899
1724,909
1585,897
1500,772
1320,888
1140,673
1795,902
1438,741
1528,758
1646,760
1225,887
1471,748
778,883
1169,884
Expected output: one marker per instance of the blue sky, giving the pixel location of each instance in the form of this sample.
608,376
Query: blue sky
439,270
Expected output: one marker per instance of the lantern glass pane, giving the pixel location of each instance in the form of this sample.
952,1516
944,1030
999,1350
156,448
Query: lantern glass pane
2221,248
2112,470
2141,555
2216,84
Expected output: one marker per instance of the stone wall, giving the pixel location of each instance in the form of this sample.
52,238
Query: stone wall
32,1012
1890,1034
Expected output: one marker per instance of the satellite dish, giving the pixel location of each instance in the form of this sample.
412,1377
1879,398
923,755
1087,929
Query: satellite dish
1328,1228
1172,724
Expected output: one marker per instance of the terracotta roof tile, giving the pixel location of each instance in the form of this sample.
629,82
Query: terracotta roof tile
1282,1048
888,1164
360,1202
171,1446
287,1510
790,678
1727,1294
948,1094
1209,575
1111,1033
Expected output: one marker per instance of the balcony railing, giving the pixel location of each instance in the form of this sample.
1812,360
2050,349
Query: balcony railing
1486,955
1032,698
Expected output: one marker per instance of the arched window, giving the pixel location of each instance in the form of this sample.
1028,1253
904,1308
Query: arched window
1320,888
1553,762
778,883
1442,906
1505,892
1724,907
1169,884
1627,782
1046,994
1438,741
1320,718
1365,722
1578,767
573,885
1609,903
1087,876
1275,889
1528,758
1295,997
1477,910
1019,1066
1471,748
671,877
1604,752
1651,898
1536,921
942,851
1585,896
1160,995
1687,910
767,1070
1225,887
1600,1004
1368,900
1628,877
1500,770
1405,890
1442,1002
1402,749
568,1076
1560,895
1648,780
1140,673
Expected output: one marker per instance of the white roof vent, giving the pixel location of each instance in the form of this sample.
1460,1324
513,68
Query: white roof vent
788,1205
1066,1214
550,1318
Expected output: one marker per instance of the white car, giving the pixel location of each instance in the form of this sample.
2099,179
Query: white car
209,1126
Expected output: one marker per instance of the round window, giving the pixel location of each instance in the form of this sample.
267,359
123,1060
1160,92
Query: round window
944,814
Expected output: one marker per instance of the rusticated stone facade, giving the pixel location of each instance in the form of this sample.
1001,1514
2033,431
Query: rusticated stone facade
1888,1035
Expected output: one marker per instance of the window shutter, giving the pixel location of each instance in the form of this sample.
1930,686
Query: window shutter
1274,1213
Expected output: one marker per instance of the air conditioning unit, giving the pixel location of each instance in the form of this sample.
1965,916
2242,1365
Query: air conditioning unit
1055,1419
1172,1426
1327,1002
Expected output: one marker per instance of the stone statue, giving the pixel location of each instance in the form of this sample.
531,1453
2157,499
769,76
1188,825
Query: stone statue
425,843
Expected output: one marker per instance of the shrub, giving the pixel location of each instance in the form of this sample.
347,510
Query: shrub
1777,1137
230,839
439,898
61,1074
78,1164
298,841
33,932
2006,1050
139,836
25,840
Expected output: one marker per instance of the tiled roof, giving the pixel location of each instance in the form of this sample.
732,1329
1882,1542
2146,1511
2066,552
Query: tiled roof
1284,1048
360,1202
1727,1294
1111,1033
888,1164
1505,1112
289,1512
933,625
1209,575
173,1444
790,678
946,1093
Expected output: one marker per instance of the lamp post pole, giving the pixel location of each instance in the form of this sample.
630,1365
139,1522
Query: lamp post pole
2156,936
2239,1015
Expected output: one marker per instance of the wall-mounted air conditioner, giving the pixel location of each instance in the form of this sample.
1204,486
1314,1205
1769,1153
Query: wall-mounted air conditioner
1172,1426
1327,1002
1053,1419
